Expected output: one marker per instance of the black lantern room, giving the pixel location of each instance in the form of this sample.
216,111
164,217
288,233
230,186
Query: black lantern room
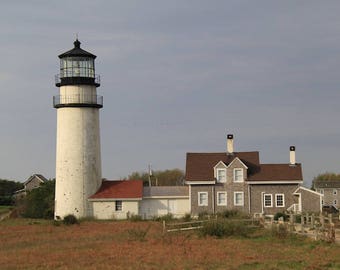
77,67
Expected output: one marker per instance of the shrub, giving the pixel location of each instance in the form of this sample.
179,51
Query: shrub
56,223
187,217
229,214
297,218
280,231
39,203
167,217
203,215
135,218
70,220
279,214
138,234
6,200
225,228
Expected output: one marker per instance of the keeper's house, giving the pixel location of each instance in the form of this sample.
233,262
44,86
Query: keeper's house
237,180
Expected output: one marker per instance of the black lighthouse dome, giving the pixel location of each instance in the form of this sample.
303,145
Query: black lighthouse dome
77,67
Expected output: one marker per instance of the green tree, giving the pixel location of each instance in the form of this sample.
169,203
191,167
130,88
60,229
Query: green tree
7,188
39,203
326,176
173,177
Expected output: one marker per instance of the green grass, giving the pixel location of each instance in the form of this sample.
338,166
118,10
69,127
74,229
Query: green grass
5,208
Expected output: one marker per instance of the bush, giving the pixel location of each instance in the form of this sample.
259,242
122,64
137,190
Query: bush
138,234
167,217
56,223
135,218
187,217
230,214
279,215
6,200
38,203
70,220
280,231
225,228
203,215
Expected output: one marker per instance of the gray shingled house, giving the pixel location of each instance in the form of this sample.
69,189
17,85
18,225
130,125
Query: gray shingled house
238,180
330,190
34,181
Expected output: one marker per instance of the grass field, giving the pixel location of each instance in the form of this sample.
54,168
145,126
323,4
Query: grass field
5,209
29,244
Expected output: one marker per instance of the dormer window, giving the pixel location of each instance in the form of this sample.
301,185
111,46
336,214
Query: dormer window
220,172
221,175
238,175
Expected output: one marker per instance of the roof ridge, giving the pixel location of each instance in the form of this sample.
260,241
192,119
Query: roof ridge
214,153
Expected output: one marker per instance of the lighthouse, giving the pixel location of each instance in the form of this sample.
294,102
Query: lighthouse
78,159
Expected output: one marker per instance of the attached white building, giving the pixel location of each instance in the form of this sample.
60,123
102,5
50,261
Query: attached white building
124,198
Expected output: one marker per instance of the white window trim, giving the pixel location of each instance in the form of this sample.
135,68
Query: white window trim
225,176
264,200
221,192
335,191
283,200
234,175
116,206
199,201
239,192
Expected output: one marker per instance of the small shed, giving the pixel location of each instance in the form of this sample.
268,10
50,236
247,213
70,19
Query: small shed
117,199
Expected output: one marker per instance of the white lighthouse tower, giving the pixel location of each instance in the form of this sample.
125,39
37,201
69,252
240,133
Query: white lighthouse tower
78,162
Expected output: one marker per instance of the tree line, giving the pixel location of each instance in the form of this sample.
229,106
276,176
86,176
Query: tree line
39,202
7,189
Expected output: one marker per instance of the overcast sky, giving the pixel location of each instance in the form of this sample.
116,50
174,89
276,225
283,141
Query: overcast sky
177,77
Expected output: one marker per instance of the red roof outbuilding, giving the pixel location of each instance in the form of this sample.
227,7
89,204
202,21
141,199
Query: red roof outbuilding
121,189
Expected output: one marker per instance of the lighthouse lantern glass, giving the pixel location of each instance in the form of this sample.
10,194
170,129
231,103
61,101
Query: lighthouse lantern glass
77,67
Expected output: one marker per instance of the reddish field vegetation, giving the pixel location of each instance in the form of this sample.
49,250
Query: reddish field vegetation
141,245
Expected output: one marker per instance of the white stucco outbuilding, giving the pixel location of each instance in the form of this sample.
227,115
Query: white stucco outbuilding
125,198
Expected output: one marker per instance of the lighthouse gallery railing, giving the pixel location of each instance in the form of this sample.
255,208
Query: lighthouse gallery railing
78,100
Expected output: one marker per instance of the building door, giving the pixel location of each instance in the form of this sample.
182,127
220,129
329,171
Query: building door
172,206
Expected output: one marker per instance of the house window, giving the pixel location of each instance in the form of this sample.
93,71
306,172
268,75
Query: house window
321,191
280,200
268,200
335,202
322,202
238,198
221,198
335,191
221,175
238,175
119,206
203,198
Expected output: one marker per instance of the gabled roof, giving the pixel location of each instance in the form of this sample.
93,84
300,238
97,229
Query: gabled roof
166,191
121,189
199,166
296,192
277,172
40,177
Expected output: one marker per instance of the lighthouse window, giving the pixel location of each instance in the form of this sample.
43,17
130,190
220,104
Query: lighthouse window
119,206
77,67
